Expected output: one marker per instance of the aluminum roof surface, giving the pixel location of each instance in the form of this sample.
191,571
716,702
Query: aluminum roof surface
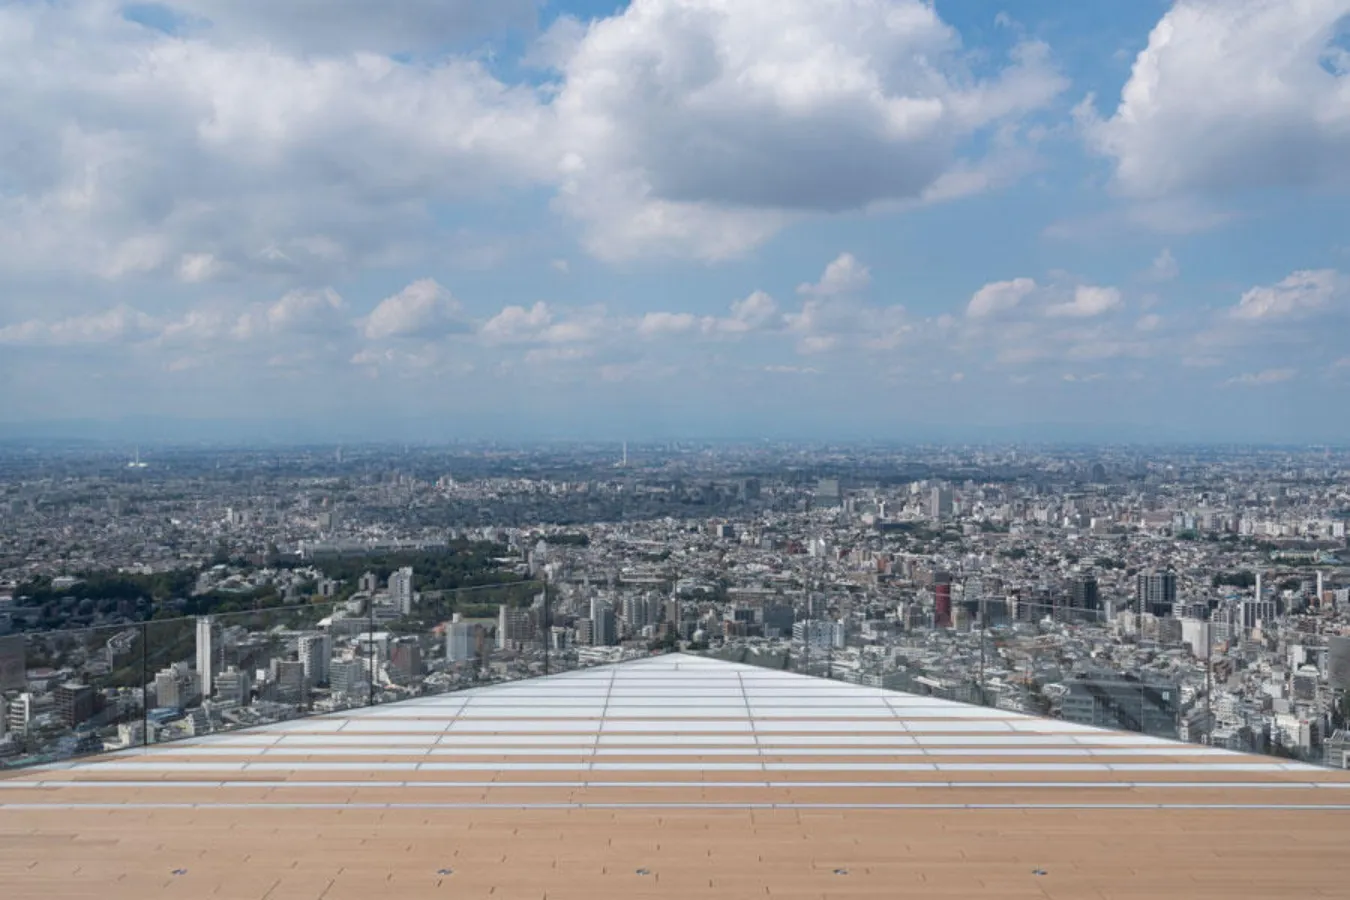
670,776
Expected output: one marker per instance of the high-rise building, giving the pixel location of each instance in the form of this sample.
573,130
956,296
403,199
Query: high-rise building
1257,613
74,703
234,686
401,590
819,634
940,503
749,489
177,687
288,681
206,661
405,659
20,713
828,493
1084,593
637,613
1156,592
514,627
942,600
778,620
1338,663
461,640
350,676
316,653
604,632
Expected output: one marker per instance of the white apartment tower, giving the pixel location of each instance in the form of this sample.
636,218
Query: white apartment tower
205,655
401,590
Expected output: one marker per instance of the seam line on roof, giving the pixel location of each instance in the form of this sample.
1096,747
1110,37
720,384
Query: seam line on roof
604,718
750,717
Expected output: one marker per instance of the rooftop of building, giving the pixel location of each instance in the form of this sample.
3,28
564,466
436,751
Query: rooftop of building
675,776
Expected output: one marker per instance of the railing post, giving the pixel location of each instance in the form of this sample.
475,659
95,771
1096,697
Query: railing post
145,684
548,624
370,648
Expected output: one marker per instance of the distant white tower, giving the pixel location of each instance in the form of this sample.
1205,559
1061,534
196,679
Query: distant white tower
401,589
205,662
625,454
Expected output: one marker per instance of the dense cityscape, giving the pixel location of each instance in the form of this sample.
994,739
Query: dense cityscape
1193,593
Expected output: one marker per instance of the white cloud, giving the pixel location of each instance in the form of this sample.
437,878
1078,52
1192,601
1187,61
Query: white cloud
674,116
844,275
827,324
407,361
516,323
999,296
266,139
541,324
654,324
757,312
299,312
121,324
1299,295
423,309
1149,322
194,268
1232,94
1088,301
1260,379
1164,267
128,152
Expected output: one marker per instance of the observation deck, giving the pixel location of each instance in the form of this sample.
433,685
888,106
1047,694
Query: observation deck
675,776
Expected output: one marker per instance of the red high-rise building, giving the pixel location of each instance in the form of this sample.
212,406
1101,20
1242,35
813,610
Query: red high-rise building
942,614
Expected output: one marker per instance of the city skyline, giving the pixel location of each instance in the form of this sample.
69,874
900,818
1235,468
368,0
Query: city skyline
1121,222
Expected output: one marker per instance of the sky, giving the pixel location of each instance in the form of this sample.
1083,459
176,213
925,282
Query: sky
827,219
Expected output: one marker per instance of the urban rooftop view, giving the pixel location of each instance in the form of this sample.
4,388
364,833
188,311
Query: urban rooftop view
560,450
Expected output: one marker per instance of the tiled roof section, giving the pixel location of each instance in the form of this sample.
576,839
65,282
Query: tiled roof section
675,748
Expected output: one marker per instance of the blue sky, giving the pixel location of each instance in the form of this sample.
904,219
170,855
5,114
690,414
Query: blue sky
859,218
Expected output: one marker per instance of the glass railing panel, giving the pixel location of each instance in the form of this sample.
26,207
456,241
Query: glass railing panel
231,670
70,693
518,636
448,640
83,692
